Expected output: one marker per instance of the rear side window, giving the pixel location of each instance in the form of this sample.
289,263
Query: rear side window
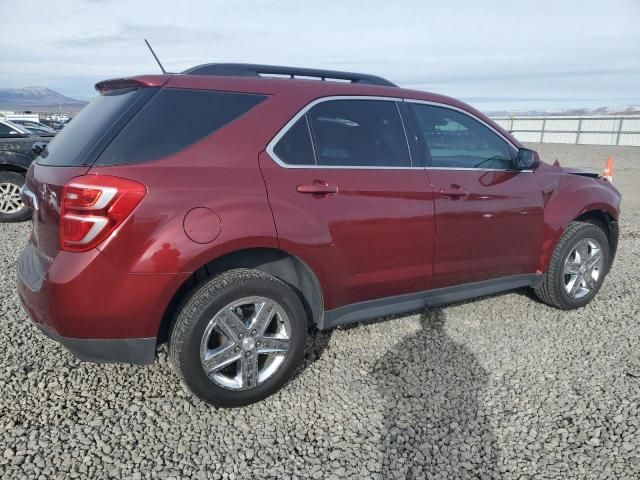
174,119
359,133
72,146
295,148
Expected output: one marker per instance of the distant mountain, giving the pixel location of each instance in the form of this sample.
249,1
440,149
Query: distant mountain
38,99
602,111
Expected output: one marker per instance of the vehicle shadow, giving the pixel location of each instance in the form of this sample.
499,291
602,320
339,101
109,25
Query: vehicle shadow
434,424
317,342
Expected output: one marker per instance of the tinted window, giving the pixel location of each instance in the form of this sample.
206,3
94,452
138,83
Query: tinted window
5,130
74,143
172,120
363,133
458,141
295,147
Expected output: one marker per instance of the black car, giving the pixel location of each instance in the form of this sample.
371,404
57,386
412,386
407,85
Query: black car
16,154
35,127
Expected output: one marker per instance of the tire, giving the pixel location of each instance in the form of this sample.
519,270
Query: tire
11,207
219,323
564,274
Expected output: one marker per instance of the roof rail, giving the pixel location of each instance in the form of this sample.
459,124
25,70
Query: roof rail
255,70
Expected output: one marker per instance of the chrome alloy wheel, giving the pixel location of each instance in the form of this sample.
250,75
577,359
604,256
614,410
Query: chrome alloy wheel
10,201
245,343
583,268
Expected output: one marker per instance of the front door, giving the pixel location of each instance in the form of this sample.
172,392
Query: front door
348,200
489,215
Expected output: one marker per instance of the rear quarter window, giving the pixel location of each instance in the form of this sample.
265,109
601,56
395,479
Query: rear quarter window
174,119
295,147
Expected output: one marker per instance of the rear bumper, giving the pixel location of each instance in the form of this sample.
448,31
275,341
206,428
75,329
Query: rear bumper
125,350
92,307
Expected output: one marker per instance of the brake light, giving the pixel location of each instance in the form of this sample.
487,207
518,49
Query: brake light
93,206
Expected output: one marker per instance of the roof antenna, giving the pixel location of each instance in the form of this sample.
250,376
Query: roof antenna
155,56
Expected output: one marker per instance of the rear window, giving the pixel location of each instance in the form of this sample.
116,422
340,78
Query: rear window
174,119
77,141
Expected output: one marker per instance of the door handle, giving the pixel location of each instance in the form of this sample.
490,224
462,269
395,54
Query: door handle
453,192
318,188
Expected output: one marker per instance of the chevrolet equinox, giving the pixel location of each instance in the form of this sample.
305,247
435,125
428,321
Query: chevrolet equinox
230,208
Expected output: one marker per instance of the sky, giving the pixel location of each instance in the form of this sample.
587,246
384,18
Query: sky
494,54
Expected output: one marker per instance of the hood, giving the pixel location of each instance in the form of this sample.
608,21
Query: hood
568,170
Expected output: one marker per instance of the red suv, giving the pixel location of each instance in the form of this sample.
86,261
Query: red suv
231,207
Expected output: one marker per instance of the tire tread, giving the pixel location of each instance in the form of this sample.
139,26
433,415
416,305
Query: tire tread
189,313
547,292
22,214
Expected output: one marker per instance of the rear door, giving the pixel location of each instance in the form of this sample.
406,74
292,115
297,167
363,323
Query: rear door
349,200
489,215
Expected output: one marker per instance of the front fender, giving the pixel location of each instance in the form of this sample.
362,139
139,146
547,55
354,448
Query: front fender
567,197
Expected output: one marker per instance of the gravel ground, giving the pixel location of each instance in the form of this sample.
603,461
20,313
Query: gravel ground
500,387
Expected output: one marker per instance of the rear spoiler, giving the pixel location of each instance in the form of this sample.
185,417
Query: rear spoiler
131,82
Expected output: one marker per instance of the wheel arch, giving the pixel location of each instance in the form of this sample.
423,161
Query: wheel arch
10,167
559,215
14,162
282,265
609,225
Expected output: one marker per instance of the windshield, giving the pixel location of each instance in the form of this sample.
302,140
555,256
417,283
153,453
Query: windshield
39,129
9,125
34,126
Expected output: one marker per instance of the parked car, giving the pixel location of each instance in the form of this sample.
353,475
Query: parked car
285,204
36,127
53,124
16,154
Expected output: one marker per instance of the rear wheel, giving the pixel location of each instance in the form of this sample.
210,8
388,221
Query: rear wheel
239,338
577,268
12,209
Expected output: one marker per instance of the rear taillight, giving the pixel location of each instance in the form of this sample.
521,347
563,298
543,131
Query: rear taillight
93,206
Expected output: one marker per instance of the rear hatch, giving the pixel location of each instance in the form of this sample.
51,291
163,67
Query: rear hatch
71,154
132,121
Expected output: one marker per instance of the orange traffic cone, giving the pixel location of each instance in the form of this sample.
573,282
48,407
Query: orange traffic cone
608,170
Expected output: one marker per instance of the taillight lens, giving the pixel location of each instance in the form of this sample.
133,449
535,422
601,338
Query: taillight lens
93,206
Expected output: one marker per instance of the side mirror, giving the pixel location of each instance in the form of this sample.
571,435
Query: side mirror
38,147
526,159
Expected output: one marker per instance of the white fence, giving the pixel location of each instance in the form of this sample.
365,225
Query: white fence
622,130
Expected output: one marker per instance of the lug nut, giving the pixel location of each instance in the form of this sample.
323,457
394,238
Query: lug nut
248,354
258,344
237,349
253,332
241,335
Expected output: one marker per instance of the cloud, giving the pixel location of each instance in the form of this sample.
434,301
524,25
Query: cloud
481,50
127,33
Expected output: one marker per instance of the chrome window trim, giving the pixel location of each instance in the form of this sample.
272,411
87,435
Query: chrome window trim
271,145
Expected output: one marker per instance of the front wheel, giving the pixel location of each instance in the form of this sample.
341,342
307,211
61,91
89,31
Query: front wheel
577,268
239,338
12,209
